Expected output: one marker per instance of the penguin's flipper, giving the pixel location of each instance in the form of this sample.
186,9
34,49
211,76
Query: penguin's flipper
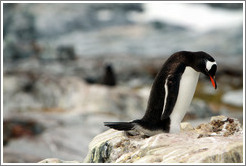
120,125
172,95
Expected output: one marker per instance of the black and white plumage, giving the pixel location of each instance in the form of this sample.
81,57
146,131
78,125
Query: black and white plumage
171,94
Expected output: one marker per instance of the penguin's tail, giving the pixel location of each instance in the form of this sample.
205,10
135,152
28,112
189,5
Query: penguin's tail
126,126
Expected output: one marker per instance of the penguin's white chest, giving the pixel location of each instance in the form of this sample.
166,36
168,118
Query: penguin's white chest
186,92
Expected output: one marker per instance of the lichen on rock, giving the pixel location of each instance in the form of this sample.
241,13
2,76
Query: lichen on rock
101,154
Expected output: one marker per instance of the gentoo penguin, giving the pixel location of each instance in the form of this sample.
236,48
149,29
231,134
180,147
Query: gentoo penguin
171,94
109,77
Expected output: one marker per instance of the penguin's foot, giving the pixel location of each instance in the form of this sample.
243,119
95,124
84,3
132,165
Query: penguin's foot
133,128
133,133
143,132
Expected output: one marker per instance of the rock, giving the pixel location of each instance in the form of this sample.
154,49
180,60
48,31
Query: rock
186,147
19,32
185,126
56,160
44,92
219,125
66,53
234,98
66,94
15,157
15,128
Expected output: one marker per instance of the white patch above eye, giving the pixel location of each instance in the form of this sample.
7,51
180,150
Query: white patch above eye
209,65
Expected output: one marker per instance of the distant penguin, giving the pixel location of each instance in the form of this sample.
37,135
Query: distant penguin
109,77
171,94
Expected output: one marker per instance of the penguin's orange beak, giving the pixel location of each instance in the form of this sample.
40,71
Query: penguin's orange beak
213,81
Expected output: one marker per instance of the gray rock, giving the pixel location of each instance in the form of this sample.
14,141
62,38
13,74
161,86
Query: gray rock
19,32
55,93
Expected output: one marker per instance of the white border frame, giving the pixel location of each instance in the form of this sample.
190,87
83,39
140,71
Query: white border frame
2,2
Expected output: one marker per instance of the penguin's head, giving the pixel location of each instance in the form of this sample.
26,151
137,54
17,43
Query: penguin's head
207,65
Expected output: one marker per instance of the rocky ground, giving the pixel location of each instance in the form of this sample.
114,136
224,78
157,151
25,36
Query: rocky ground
219,141
55,99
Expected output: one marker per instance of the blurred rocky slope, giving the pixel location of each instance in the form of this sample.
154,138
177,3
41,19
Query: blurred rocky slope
41,29
54,52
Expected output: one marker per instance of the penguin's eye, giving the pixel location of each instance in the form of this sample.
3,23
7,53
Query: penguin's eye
209,65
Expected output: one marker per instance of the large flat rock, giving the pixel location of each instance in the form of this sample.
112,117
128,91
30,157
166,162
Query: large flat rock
220,141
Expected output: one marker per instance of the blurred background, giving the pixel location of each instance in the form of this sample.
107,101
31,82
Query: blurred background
67,68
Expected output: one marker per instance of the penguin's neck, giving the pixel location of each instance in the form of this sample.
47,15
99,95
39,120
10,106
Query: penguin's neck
187,87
